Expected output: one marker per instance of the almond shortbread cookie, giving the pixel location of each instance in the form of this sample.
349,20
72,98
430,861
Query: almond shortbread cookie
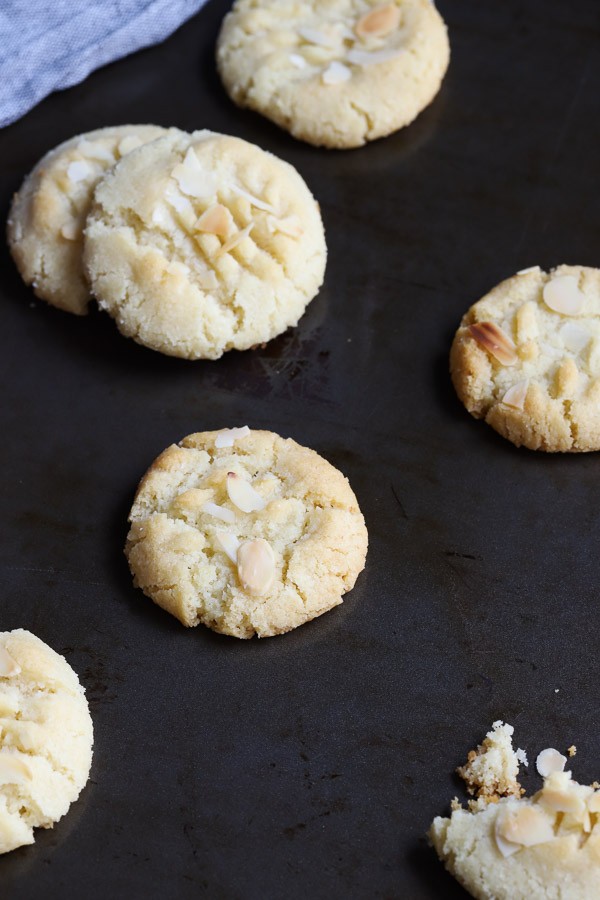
203,243
46,737
46,220
246,532
336,73
546,847
526,358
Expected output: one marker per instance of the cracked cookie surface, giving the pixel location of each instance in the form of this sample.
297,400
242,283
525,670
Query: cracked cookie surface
46,737
336,73
526,358
47,216
194,551
203,243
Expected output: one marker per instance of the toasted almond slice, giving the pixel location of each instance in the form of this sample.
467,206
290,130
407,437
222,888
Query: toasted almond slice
229,544
79,170
558,794
70,231
312,36
192,499
336,73
290,225
489,336
550,760
575,336
8,666
129,143
529,270
235,239
379,22
515,395
367,58
525,826
562,295
242,494
298,61
219,512
256,566
254,201
13,770
193,179
228,436
505,847
215,220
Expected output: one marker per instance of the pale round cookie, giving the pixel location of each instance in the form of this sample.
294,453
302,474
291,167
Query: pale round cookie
546,847
203,243
47,216
526,358
246,532
335,73
46,737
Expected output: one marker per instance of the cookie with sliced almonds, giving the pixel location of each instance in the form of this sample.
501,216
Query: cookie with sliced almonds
245,532
526,358
46,737
336,74
47,215
203,243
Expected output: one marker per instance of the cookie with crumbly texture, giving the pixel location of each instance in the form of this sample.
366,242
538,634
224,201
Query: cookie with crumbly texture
337,73
526,358
246,532
546,847
46,737
492,770
47,216
203,243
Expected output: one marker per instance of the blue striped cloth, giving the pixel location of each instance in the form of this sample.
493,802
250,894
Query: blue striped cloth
46,45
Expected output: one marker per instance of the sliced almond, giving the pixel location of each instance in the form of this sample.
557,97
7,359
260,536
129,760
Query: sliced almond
593,803
229,544
192,178
242,494
529,270
575,336
219,512
367,58
216,220
235,239
80,170
549,761
312,36
13,770
489,336
95,150
516,395
379,22
290,225
228,436
559,795
298,61
178,202
254,201
336,73
256,566
526,826
70,231
192,499
562,295
8,666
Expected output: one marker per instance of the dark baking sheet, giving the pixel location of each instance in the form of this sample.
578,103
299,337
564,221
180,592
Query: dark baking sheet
311,765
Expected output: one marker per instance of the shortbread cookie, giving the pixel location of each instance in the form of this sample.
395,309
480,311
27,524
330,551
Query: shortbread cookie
336,73
45,737
546,847
526,359
245,532
203,243
45,225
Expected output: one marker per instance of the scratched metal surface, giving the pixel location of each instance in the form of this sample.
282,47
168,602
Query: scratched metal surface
311,765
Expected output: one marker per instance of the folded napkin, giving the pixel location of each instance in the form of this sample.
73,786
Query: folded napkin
46,45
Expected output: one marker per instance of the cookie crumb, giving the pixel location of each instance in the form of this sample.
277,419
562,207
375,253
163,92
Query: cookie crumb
491,771
572,750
